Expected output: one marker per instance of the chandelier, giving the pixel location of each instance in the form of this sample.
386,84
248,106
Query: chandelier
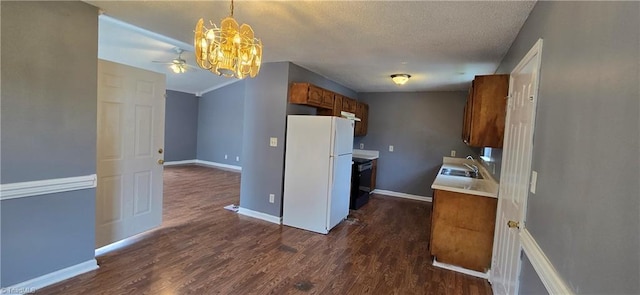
230,50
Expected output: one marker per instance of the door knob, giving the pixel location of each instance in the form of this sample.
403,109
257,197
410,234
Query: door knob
161,161
513,224
160,151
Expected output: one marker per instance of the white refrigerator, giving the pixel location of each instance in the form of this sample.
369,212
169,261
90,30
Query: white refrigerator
317,174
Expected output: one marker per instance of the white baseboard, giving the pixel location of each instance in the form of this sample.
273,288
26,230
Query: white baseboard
543,267
219,165
51,278
183,162
402,195
483,275
260,215
46,186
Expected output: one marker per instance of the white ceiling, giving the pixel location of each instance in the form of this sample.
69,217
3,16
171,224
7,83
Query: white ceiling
358,44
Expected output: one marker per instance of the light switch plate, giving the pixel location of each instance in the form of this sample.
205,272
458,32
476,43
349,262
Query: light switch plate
273,142
453,153
237,159
362,146
272,198
391,148
534,182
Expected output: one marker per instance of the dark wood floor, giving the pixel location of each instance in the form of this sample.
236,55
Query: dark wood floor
203,249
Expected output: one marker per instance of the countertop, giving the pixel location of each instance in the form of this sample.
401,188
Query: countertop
487,187
366,154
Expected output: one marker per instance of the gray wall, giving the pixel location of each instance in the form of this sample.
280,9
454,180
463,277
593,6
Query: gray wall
585,213
220,121
265,116
180,126
49,86
423,127
532,285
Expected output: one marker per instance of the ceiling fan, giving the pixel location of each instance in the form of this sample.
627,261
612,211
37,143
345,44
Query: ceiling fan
178,65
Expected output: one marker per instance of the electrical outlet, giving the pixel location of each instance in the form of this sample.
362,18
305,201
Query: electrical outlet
534,181
391,148
361,146
226,156
453,153
272,198
237,159
273,142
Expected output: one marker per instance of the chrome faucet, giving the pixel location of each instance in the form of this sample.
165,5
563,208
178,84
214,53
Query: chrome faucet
473,168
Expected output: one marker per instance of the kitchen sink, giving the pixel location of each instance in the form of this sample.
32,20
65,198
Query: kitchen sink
461,173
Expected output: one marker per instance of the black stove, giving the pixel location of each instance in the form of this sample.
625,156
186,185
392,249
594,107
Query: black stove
360,182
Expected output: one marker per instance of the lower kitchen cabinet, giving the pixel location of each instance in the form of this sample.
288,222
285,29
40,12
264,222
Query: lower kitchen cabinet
462,228
374,173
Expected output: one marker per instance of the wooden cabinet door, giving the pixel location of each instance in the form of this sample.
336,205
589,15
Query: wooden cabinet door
335,109
462,228
349,105
486,111
374,173
315,95
337,104
327,99
466,120
305,94
362,112
365,119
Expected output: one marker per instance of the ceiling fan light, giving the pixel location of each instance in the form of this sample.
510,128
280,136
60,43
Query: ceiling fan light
400,79
176,68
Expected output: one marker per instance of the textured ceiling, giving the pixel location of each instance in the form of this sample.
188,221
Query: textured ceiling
442,44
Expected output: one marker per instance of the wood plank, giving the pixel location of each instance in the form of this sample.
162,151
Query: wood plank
203,249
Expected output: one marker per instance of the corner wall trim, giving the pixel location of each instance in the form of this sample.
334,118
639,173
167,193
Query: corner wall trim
402,195
51,278
183,162
219,165
46,186
545,270
260,215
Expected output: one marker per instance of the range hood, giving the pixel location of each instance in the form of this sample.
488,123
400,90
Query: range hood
350,116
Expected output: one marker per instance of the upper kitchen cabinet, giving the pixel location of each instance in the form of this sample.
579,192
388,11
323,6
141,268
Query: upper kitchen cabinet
308,94
329,103
337,107
349,105
362,112
340,104
484,113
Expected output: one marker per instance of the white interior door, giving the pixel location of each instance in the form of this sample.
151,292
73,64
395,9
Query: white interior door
516,170
131,104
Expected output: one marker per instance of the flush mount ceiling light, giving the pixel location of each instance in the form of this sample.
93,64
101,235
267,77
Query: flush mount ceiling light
400,79
230,50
